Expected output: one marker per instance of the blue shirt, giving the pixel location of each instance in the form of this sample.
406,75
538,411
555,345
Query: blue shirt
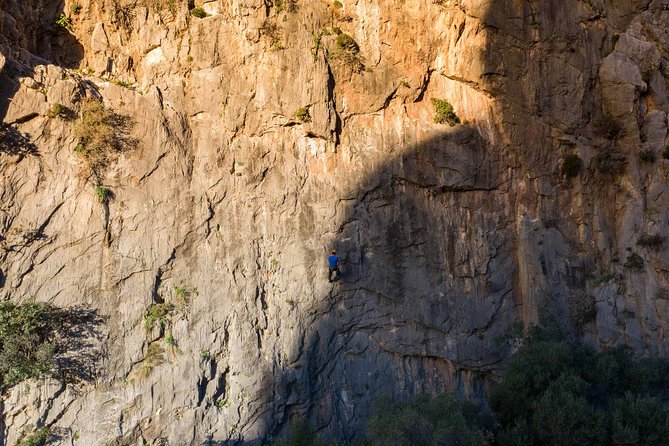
333,261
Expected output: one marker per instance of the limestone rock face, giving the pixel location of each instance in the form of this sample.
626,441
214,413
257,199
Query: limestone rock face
226,205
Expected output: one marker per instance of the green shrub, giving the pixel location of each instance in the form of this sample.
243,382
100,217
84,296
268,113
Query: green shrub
556,393
299,434
634,261
285,5
64,22
348,51
337,4
650,241
608,127
102,194
647,156
37,438
102,134
198,12
302,114
27,346
75,8
571,166
346,43
439,420
665,153
56,110
158,313
444,113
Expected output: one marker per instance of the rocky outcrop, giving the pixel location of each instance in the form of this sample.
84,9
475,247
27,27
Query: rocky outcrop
219,219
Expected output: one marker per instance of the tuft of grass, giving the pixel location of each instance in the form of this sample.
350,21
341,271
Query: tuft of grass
64,22
37,438
285,5
204,355
124,84
647,156
157,313
198,12
571,166
317,39
169,339
183,296
102,194
302,114
444,113
56,110
155,356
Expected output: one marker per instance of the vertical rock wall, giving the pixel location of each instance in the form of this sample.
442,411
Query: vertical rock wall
228,204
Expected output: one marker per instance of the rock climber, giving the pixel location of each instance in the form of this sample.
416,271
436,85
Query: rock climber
333,265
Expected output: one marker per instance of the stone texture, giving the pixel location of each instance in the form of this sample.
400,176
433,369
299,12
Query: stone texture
228,205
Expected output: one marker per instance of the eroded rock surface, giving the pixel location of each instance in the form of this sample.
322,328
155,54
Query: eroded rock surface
228,204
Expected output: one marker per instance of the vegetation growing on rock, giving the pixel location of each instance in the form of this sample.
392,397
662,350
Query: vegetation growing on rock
36,438
647,156
198,12
444,113
302,114
347,50
558,393
571,166
27,340
102,134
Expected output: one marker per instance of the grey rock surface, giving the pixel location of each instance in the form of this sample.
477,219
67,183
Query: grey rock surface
227,205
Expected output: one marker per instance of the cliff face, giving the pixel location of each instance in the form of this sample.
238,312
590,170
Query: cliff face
224,207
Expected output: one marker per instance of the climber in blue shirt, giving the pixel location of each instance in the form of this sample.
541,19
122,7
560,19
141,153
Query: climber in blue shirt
333,265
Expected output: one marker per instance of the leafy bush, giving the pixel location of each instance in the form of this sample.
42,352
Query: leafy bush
56,110
346,43
198,12
571,166
608,127
37,438
64,22
299,434
634,261
556,393
27,344
302,114
337,4
650,241
285,5
348,50
440,420
101,133
158,313
102,194
647,156
75,8
444,113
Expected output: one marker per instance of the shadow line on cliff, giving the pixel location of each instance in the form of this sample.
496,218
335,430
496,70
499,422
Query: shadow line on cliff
80,342
394,324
